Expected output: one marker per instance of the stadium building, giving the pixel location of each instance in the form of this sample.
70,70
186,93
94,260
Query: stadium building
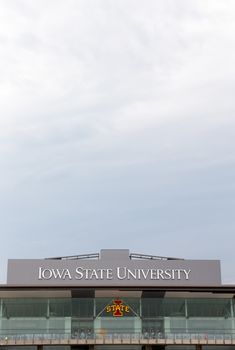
115,300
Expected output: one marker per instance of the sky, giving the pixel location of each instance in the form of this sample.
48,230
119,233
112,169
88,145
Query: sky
117,128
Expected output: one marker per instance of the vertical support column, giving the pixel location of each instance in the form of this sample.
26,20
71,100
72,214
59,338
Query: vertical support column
94,318
1,308
232,318
94,307
48,316
186,314
1,314
140,330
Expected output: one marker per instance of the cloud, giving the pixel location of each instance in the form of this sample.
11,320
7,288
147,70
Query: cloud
116,118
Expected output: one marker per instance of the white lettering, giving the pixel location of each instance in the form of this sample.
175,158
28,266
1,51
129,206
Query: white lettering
67,274
101,271
131,274
46,274
160,274
79,273
93,274
178,271
153,274
61,274
40,273
168,274
121,273
109,274
145,274
187,272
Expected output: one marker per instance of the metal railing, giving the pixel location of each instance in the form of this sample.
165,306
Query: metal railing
111,338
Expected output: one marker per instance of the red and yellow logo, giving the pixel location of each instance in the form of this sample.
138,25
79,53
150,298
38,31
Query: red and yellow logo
118,308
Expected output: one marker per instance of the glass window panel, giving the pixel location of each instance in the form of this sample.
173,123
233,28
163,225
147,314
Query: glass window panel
208,307
24,325
59,307
161,307
24,308
83,307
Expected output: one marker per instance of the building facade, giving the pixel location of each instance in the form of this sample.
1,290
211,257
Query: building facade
114,300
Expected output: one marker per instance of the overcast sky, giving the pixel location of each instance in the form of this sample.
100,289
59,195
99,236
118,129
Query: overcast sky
117,128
